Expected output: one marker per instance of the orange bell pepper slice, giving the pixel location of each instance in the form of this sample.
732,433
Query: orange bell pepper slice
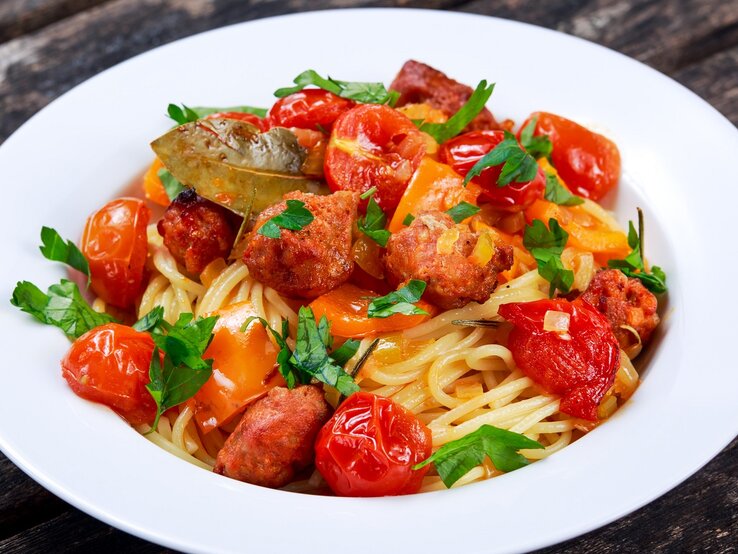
152,185
244,367
346,309
434,186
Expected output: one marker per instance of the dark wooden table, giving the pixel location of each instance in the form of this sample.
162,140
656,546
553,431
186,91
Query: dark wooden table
49,46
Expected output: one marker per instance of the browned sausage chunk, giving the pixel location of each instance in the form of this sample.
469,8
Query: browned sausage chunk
420,83
274,439
624,301
313,260
452,276
197,231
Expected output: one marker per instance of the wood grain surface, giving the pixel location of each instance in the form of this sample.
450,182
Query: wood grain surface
49,46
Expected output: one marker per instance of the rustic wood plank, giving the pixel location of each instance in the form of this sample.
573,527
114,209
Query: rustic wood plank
701,515
18,17
76,532
716,80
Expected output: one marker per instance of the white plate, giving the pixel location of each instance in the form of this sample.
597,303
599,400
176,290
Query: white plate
678,156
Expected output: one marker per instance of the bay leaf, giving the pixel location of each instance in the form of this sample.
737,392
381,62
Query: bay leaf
233,164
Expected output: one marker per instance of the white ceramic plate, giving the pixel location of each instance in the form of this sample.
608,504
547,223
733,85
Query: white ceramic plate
677,151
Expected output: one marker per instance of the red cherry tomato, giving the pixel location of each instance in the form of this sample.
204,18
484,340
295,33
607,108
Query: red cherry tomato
261,123
369,446
373,145
462,152
579,365
589,163
114,242
110,365
308,109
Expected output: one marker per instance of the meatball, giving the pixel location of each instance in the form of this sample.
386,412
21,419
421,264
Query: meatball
624,301
452,276
313,260
420,83
274,439
197,231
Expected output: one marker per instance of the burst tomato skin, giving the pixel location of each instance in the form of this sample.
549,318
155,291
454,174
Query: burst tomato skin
373,145
463,151
581,367
369,446
255,120
589,163
110,365
308,109
114,243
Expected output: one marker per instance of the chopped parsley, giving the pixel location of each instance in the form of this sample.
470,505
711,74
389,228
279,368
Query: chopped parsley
557,193
56,249
442,132
295,217
517,165
461,211
538,146
546,246
373,223
365,93
401,301
183,114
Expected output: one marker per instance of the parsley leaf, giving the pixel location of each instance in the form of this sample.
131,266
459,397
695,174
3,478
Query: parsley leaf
461,211
458,122
150,320
557,193
54,248
294,217
537,146
546,246
409,218
456,458
181,372
519,166
183,114
310,359
633,265
401,301
366,93
61,306
171,186
372,224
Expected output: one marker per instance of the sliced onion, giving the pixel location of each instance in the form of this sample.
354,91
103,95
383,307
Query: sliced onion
556,321
633,349
483,250
447,240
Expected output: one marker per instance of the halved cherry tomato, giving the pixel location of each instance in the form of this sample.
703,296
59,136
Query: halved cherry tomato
110,365
587,161
369,446
152,185
346,308
578,364
261,123
462,152
243,367
308,109
114,242
373,145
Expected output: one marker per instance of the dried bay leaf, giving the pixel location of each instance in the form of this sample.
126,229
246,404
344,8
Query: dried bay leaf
233,164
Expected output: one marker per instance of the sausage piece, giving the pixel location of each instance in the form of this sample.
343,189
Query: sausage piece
452,276
274,439
197,231
312,261
419,83
623,301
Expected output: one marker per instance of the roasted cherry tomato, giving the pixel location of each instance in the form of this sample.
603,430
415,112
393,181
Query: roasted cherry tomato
578,363
373,145
261,123
369,446
114,242
110,365
589,163
462,152
308,109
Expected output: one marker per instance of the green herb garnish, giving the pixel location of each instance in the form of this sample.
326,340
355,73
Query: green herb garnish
171,186
519,166
373,223
295,217
56,249
546,246
401,301
366,93
461,211
183,114
537,146
557,193
409,218
456,458
442,132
